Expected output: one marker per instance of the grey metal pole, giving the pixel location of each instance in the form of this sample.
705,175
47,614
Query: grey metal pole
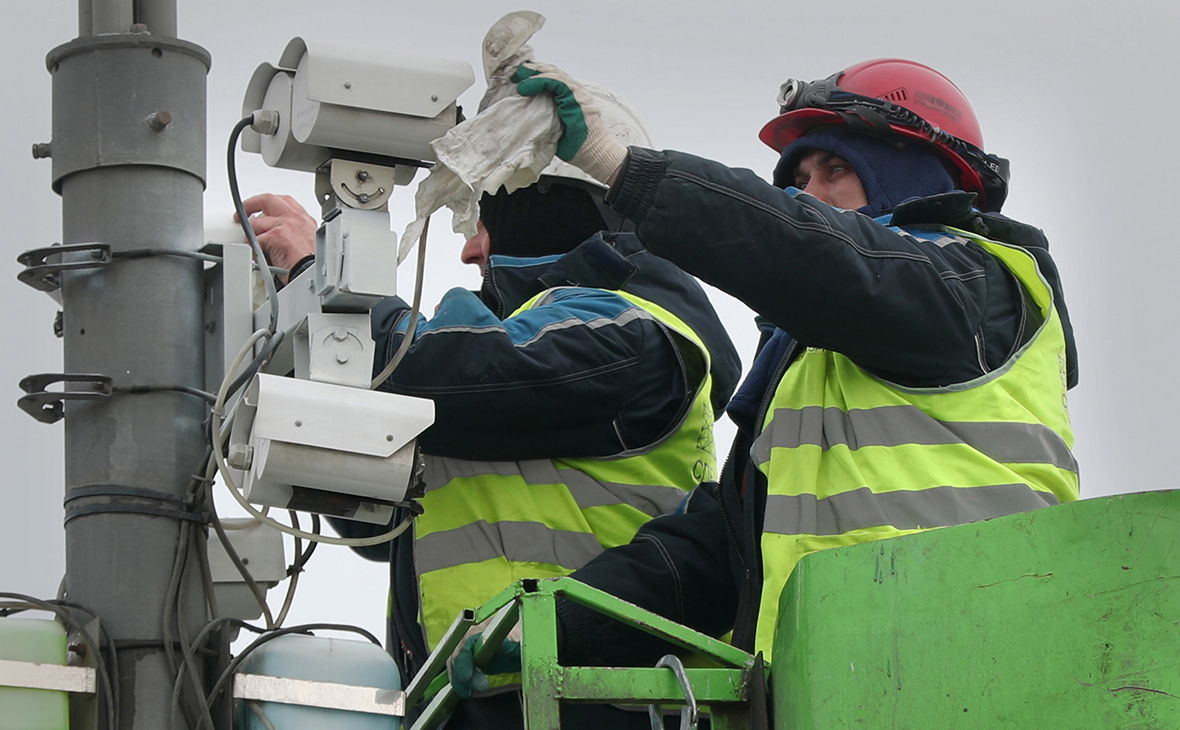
129,162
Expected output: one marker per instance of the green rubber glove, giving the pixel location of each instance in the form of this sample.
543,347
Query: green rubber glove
585,143
467,679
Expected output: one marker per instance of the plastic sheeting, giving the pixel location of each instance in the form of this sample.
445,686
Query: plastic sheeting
507,144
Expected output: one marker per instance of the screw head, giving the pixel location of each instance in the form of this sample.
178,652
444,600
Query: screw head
389,437
298,424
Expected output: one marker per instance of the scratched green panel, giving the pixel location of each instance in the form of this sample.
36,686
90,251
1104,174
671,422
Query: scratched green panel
1063,618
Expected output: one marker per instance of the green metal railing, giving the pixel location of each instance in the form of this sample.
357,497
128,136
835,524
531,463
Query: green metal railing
734,692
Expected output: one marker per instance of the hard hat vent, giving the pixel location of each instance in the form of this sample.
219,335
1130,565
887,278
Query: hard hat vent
897,96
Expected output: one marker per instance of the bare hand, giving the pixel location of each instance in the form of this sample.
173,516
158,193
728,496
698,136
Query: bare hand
284,229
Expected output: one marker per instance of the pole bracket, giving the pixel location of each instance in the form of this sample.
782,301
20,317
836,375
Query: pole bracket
49,406
44,274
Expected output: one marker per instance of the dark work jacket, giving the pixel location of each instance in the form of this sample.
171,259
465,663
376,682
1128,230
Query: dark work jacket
549,383
899,305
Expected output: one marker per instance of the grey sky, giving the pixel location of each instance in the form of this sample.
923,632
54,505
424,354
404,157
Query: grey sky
1079,95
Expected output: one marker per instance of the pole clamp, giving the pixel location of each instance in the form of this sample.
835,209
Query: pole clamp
45,275
49,407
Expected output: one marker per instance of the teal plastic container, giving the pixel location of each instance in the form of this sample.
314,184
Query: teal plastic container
33,640
320,659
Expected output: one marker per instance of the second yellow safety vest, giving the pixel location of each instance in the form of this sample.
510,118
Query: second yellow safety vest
850,458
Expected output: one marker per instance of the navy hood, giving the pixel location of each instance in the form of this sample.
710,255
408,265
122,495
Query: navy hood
890,176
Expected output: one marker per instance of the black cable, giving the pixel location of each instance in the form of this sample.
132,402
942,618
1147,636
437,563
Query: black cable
190,662
256,364
232,170
241,567
112,709
141,389
197,643
232,667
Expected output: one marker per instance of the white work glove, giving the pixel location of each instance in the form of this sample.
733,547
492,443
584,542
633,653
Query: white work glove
585,142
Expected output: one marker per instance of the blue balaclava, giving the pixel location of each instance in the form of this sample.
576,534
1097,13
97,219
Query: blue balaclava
890,176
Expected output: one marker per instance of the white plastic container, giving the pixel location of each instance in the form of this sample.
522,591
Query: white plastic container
33,640
320,659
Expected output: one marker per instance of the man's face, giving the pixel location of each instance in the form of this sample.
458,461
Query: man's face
831,179
475,251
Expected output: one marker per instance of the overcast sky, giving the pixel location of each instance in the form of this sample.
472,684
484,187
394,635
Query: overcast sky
1079,95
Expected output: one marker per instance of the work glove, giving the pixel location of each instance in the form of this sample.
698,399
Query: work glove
468,679
585,143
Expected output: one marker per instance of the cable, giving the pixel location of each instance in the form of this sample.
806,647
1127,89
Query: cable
296,567
199,641
190,662
408,338
232,170
36,604
202,539
257,710
257,363
257,591
233,665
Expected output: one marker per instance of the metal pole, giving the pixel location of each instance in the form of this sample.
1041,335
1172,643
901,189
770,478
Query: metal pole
129,162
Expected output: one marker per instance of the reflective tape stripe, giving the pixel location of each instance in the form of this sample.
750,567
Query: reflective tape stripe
905,510
1005,442
586,490
519,542
440,471
649,499
622,319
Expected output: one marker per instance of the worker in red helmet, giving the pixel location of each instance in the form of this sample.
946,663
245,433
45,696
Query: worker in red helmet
916,359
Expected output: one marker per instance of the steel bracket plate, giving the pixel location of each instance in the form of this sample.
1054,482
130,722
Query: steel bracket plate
49,407
329,695
44,274
32,675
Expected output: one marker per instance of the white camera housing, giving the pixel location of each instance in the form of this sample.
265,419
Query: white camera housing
333,96
319,447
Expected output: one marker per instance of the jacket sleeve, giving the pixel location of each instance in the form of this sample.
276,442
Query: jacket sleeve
586,373
682,566
919,310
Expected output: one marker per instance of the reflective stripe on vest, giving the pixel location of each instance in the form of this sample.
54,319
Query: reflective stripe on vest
487,524
850,458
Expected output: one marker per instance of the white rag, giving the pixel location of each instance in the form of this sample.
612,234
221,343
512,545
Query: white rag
506,144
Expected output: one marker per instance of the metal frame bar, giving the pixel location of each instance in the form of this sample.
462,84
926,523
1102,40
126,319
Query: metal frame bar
546,684
329,695
57,677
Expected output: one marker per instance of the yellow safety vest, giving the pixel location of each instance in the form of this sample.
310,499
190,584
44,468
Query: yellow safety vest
488,524
851,458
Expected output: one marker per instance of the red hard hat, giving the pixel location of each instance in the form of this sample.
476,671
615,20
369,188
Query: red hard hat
894,97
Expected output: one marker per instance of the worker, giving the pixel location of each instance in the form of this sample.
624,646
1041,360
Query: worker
574,396
917,374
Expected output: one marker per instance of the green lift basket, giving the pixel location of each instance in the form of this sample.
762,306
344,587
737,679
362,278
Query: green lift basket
1060,619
